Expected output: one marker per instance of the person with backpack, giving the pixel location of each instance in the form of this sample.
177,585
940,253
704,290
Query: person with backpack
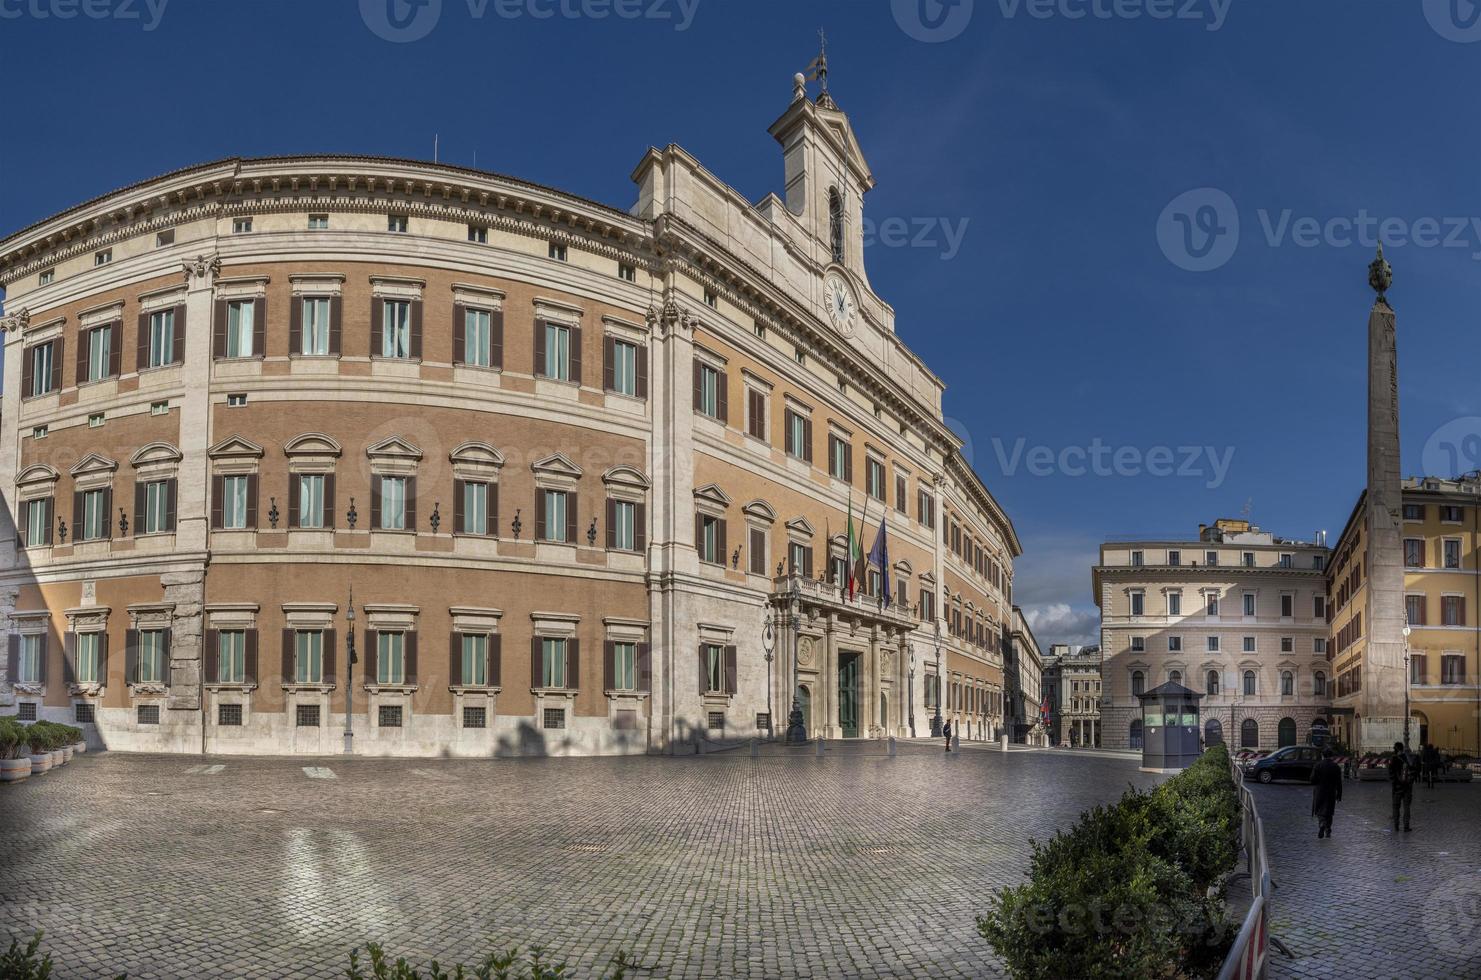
946,731
1403,770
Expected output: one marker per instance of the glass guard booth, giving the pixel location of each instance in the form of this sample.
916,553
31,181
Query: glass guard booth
1170,728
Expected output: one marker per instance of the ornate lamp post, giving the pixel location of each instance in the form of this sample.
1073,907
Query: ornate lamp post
911,699
350,675
1406,686
796,729
768,643
936,721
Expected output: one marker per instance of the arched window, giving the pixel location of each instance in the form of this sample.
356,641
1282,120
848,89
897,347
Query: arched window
1249,734
1285,732
1319,684
1176,676
1287,683
1211,683
835,224
1213,732
1136,733
1249,683
1138,684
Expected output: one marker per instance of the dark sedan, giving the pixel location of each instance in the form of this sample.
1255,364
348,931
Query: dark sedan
1292,762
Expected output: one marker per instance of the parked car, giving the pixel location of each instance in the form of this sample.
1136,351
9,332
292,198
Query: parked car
1292,762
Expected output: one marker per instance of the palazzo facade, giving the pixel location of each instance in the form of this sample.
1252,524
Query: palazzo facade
470,466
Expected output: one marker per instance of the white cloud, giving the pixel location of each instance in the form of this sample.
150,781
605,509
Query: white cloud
1059,622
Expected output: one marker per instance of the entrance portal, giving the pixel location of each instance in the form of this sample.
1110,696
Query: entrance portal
848,694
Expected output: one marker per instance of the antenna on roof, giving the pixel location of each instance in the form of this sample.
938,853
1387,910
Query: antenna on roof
436,137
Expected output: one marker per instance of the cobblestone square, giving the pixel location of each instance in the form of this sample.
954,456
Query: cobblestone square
787,865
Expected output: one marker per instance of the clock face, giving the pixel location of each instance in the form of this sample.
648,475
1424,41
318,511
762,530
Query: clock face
841,309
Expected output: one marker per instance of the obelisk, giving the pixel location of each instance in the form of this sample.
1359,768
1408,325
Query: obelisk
1381,723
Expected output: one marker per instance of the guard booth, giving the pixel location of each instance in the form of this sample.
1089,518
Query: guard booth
1170,728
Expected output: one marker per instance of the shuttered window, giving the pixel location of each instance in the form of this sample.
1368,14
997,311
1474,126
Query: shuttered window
232,656
390,658
234,502
240,317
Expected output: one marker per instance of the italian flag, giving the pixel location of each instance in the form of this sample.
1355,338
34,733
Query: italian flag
855,552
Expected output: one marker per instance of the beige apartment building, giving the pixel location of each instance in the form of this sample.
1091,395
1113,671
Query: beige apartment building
545,468
1024,668
1238,615
1441,542
1072,683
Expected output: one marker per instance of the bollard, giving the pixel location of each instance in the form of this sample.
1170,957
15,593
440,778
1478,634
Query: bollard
699,745
892,746
956,742
820,746
755,749
1005,743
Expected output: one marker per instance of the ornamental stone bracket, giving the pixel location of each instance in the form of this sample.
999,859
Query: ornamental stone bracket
201,272
16,322
29,690
148,690
86,690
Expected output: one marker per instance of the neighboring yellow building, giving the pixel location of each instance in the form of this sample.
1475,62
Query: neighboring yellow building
1442,592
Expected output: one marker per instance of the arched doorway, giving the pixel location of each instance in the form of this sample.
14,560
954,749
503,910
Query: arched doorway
804,701
1136,733
1285,733
1213,732
1249,734
1419,727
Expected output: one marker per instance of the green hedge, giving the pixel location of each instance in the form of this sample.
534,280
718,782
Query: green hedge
1132,890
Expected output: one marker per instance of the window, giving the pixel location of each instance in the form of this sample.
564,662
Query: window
624,515
32,659
557,352
1319,684
624,666
1452,553
1249,644
478,338
95,420
1174,644
1249,604
1249,683
306,716
1452,610
26,711
318,222
396,329
1174,558
103,257
99,352
901,491
1288,644
393,503
1319,644
234,502
231,652
1414,610
478,234
396,222
707,391
156,516
149,663
1175,603
475,660
1450,514
554,718
229,715
799,560
239,327
389,716
310,500
161,338
390,658
1452,669
47,277
45,376
711,543
1213,605
714,659
799,436
624,368
1213,644
475,508
164,238
236,401
1287,606
314,341
840,459
1318,562
555,516
755,413
309,656
1414,512
627,273
1414,552
557,251
475,717
1249,734
1418,669
1287,561
1175,676
241,226
1137,559
95,523
39,432
553,663
1287,684
1138,644
1138,603
1211,559
1211,683
147,714
1249,559
38,522
711,300
925,508
1319,606
1138,683
874,479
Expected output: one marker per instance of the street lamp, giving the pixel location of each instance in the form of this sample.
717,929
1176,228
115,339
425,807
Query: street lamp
911,700
796,729
1406,686
768,643
350,659
936,721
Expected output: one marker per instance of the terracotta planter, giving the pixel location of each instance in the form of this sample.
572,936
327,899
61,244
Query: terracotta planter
40,763
13,770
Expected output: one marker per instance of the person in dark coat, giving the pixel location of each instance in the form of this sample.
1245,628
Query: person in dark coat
1402,771
1429,758
946,731
1326,791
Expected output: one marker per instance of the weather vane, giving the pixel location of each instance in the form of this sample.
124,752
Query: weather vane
818,70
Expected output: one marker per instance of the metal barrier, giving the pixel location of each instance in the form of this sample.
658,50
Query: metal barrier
1249,957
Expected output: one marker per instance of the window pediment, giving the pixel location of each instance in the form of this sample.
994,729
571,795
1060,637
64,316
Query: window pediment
37,476
626,477
760,510
235,448
801,526
155,454
93,465
557,465
312,444
712,495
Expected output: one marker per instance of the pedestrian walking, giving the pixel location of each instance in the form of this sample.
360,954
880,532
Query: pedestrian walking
1429,758
1402,771
946,731
1326,791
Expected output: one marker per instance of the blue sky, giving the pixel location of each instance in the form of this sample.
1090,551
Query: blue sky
1036,234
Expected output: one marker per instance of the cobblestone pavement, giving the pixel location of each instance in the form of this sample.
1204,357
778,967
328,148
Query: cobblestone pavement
1369,903
722,866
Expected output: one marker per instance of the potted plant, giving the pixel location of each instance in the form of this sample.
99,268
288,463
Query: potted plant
38,740
79,739
15,761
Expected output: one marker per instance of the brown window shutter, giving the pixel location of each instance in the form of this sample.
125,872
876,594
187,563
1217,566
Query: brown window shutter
69,657
641,371
416,330
115,349
141,346
539,348
611,528
644,667
179,345
76,515
250,658
455,659
410,639
493,510
329,500
131,656
758,551
496,339
609,667
720,537
51,518
252,501
211,656
290,642
330,643
731,670
56,364
336,312
496,660
572,505
576,354
807,440
460,520
375,502
807,562
698,385
460,334
372,655
640,528
259,327
411,503
377,326
295,326
218,330
609,380
848,463
722,396
139,506
699,534
217,492
13,657
537,676
540,530
293,501
573,663
84,341
28,378
704,670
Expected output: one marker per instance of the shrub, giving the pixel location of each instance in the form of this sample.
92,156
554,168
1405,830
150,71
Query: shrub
506,965
1126,891
40,737
22,963
12,740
